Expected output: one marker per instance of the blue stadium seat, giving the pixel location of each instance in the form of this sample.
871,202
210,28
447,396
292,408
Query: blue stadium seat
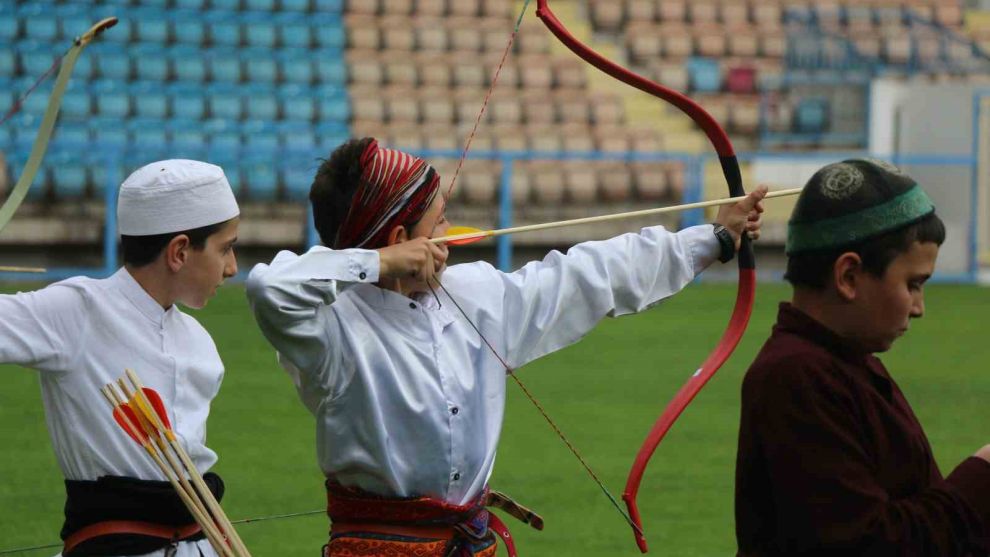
224,101
811,115
152,26
298,176
74,19
69,175
259,137
112,99
10,26
151,62
188,137
330,66
8,63
74,135
224,64
224,136
295,30
226,5
296,136
76,104
224,30
295,5
334,106
149,99
298,104
190,5
263,5
705,75
331,135
6,138
39,22
25,128
260,102
188,27
36,58
37,102
296,66
112,61
260,66
7,95
260,179
188,64
108,134
148,135
259,30
331,6
328,31
188,101
75,24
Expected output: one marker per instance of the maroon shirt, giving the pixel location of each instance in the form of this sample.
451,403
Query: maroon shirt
832,461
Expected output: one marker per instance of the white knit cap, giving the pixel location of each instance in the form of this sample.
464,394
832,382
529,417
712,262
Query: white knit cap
174,196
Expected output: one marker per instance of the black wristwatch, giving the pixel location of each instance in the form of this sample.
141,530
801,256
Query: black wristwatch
726,243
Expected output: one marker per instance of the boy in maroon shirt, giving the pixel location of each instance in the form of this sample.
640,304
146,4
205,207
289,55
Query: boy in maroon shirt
831,458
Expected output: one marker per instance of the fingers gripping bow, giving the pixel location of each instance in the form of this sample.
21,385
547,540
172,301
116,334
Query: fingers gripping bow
747,264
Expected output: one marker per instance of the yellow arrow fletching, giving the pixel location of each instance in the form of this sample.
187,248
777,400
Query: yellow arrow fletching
462,230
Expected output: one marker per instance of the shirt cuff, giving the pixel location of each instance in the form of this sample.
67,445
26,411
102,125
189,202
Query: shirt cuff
357,265
972,481
702,245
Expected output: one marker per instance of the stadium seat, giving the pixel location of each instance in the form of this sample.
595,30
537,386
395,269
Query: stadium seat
8,63
112,62
72,135
296,66
10,25
544,139
328,31
741,80
224,101
259,65
224,30
260,30
190,4
330,67
296,30
398,70
397,34
35,58
260,179
188,137
108,134
39,22
148,137
615,182
297,136
812,115
331,135
329,6
705,74
677,41
333,104
152,26
187,101
224,65
548,182
295,5
260,102
298,103
438,108
397,7
401,104
581,182
149,99
36,103
224,136
298,176
150,62
188,64
112,99
259,137
69,175
189,27
77,103
225,5
650,181
432,36
262,5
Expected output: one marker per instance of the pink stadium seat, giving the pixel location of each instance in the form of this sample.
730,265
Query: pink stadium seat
548,182
497,8
773,44
469,8
572,107
465,33
479,182
921,8
672,74
397,7
509,137
641,10
949,13
401,104
745,115
400,68
436,105
717,106
367,7
506,109
544,138
614,182
929,47
433,8
467,105
532,39
897,48
677,41
367,104
369,128
467,71
509,78
735,12
577,137
606,14
867,44
397,34
611,139
521,185
645,140
484,139
363,31
365,67
440,137
580,182
535,71
434,69
703,11
741,79
607,109
650,181
674,11
710,40
569,72
538,108
767,13
743,41
431,35
405,137
675,180
829,11
643,42
495,35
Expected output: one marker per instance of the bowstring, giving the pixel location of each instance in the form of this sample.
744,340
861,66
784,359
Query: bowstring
19,103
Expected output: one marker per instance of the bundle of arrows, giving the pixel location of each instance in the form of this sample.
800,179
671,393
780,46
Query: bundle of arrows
140,412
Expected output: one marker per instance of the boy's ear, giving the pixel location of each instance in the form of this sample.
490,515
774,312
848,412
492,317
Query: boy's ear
846,273
398,235
176,252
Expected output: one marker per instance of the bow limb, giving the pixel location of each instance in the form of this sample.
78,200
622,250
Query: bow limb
747,264
19,192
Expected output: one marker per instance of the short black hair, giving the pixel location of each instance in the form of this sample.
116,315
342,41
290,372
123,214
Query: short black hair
336,180
814,269
139,251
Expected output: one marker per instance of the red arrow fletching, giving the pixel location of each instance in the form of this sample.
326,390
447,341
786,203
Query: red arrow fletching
128,421
156,403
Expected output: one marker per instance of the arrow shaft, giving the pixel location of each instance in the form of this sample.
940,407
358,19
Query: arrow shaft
606,218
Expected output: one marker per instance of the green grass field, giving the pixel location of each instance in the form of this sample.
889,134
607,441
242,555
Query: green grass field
604,392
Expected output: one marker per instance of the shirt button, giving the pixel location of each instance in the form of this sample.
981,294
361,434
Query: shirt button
457,476
412,305
363,276
454,410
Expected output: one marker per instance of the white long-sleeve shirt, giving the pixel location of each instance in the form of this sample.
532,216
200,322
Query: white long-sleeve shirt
408,399
81,334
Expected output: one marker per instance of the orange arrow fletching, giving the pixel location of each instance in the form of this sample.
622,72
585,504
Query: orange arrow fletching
459,230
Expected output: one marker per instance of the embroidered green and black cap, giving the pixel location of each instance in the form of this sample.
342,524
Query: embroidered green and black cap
848,202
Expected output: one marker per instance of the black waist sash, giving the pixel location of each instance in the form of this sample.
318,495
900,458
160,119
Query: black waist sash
121,498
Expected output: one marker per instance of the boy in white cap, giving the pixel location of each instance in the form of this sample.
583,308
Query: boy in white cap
178,224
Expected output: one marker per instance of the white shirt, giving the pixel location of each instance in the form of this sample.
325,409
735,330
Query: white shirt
408,399
83,333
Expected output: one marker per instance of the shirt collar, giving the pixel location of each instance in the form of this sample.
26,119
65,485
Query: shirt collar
387,299
138,296
793,320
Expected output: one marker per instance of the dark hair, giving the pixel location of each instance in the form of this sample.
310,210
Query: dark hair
139,251
813,269
333,188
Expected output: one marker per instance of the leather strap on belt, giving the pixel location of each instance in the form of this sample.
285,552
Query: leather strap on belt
503,502
439,532
111,527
